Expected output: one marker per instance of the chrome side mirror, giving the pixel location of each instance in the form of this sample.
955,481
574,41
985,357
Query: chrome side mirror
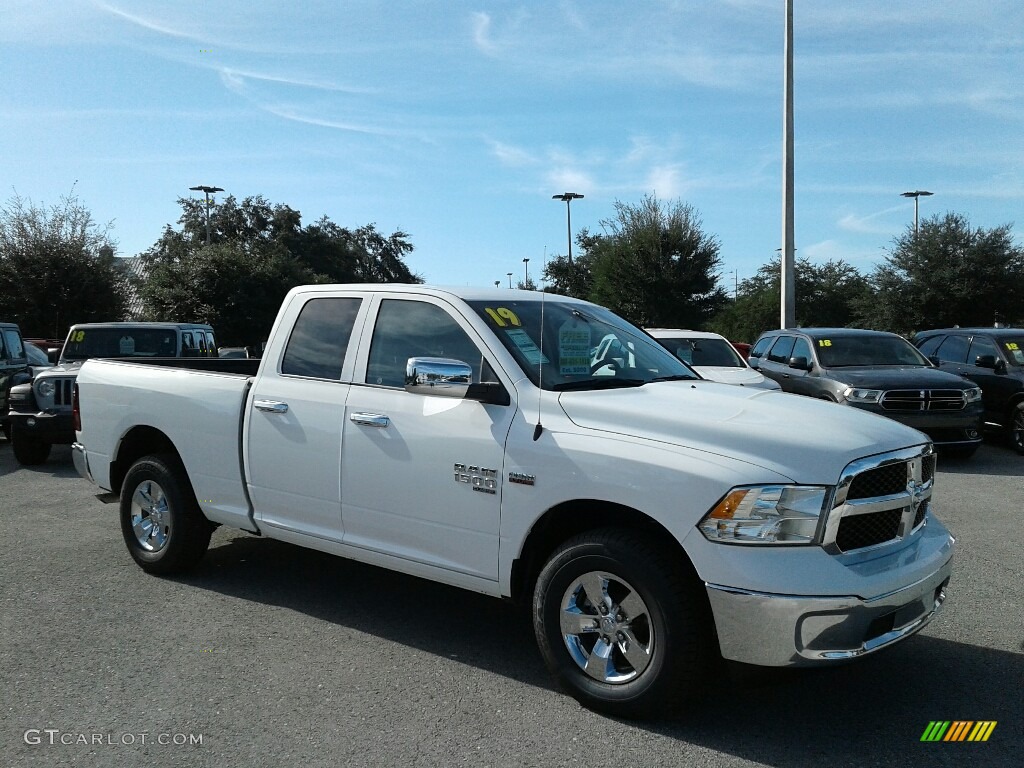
438,376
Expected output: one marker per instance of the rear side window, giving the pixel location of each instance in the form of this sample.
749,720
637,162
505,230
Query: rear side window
320,338
782,350
929,346
953,349
760,347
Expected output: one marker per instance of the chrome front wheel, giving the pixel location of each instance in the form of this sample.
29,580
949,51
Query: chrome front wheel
607,628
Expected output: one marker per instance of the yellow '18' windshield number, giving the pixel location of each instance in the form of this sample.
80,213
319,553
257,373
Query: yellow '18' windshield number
78,336
824,342
503,317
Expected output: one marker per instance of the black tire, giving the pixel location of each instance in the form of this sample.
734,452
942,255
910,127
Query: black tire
1015,427
650,605
6,429
28,449
162,525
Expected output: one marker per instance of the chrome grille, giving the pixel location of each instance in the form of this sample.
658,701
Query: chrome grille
880,499
923,400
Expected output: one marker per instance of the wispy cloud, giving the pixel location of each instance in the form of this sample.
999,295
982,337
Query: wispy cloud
482,33
870,224
149,24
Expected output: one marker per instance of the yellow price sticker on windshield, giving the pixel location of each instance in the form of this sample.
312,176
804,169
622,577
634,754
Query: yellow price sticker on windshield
824,342
78,336
503,317
1012,345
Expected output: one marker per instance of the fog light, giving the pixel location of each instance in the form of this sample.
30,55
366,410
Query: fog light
972,433
30,421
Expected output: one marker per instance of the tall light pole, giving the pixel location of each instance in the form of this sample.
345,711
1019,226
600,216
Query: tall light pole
208,190
497,283
916,194
526,268
509,279
568,197
787,315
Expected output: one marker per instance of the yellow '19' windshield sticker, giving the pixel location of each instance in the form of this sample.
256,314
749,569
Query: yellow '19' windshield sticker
503,317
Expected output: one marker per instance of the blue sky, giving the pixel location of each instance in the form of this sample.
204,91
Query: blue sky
456,122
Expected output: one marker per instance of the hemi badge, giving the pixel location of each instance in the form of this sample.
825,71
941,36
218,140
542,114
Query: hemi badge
519,477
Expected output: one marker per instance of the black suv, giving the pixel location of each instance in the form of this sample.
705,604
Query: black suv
13,368
878,372
993,358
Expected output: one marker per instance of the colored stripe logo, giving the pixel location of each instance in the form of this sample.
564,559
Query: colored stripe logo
958,730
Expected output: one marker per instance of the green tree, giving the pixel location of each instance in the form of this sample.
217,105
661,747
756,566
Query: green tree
827,295
57,267
257,252
947,274
652,264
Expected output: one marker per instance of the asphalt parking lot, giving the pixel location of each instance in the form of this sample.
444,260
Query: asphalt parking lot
271,655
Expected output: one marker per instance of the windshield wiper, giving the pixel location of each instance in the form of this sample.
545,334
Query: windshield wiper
676,377
608,383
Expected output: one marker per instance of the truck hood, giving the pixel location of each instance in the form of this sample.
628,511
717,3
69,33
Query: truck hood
806,440
896,377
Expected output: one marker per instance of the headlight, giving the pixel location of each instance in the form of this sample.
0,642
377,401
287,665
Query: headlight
973,395
855,395
45,388
767,514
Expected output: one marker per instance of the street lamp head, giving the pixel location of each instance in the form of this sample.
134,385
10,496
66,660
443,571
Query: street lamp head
207,189
567,196
917,193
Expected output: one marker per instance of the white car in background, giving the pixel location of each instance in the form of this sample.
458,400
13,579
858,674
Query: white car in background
712,356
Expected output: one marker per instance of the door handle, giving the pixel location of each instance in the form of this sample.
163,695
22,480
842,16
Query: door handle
369,419
271,406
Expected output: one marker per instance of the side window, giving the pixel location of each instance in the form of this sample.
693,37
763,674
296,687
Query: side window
930,345
201,338
980,345
319,340
15,350
761,346
802,349
407,329
211,345
782,349
188,344
953,349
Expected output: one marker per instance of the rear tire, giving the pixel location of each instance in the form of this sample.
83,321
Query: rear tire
623,626
28,449
162,525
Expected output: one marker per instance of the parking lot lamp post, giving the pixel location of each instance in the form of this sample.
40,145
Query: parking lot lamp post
568,197
207,190
509,279
916,194
526,269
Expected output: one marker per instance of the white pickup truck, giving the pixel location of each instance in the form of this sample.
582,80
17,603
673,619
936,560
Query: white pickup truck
655,521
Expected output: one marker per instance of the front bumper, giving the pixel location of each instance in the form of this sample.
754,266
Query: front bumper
53,428
789,630
949,428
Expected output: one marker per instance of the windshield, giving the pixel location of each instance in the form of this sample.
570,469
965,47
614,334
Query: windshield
1014,349
583,346
120,342
845,351
717,353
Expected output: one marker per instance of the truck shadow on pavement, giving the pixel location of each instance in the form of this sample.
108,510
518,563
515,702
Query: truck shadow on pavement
872,712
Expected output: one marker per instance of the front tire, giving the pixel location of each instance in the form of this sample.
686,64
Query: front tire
1015,427
161,522
28,449
623,625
